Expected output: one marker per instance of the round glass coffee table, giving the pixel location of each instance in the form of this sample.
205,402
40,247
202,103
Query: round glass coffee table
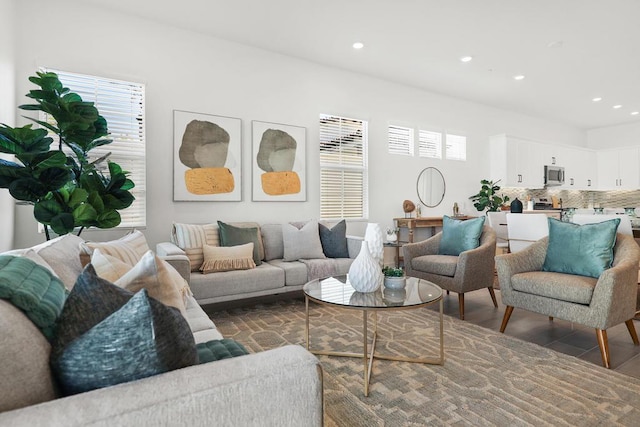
338,292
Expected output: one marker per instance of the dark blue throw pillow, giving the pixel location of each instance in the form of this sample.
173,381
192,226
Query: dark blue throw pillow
107,335
334,240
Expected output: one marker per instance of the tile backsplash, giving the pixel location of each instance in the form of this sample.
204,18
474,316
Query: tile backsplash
579,199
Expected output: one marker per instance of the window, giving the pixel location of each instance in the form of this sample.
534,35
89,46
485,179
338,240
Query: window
400,140
343,168
456,146
430,144
122,105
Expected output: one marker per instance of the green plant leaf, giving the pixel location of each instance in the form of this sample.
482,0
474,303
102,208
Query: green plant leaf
85,215
108,219
96,201
46,210
78,196
28,189
62,223
118,199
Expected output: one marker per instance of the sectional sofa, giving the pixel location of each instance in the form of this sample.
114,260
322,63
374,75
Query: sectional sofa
279,387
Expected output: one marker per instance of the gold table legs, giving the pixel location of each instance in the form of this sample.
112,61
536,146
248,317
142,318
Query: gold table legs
369,355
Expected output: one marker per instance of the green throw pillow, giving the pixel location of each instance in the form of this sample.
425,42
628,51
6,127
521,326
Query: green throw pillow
33,289
585,250
234,236
459,236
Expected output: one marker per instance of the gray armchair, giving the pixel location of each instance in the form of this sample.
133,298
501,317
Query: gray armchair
599,303
469,271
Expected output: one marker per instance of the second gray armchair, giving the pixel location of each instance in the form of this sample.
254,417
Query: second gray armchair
469,271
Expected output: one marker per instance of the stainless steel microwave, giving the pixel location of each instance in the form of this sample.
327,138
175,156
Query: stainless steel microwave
553,175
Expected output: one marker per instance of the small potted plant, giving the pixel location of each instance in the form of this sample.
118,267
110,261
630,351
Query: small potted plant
392,234
394,278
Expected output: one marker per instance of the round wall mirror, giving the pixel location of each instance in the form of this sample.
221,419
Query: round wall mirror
431,187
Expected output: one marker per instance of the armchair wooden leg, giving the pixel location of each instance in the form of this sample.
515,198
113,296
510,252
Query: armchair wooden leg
550,318
505,319
493,296
603,343
461,304
632,331
447,292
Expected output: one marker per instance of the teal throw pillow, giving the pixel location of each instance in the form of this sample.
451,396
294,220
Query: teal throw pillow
234,236
459,236
107,335
584,250
33,289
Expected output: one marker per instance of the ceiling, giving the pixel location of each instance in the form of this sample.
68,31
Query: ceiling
569,51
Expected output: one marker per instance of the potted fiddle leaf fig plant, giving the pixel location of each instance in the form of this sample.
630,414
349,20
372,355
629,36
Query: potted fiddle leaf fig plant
487,198
67,186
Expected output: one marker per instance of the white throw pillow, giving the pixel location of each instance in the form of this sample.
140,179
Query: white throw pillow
129,248
303,243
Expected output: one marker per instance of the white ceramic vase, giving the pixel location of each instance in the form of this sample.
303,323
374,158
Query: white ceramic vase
373,237
365,274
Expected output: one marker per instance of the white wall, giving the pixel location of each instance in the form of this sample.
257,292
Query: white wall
7,111
188,71
614,136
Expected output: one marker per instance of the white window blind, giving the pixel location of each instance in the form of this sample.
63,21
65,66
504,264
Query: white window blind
456,147
400,140
429,144
343,168
122,104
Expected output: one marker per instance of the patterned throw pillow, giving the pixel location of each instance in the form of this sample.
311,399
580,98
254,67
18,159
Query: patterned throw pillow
227,258
106,335
191,238
129,248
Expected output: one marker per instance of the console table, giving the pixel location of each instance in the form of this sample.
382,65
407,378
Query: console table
423,222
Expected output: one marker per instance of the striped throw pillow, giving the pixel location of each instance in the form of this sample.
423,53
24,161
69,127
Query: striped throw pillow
192,237
130,248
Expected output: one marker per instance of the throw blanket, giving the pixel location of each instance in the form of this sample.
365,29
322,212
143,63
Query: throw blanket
33,289
321,268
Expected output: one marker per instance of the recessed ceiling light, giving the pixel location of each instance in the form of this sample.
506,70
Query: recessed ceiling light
617,106
358,45
597,99
518,77
635,113
466,58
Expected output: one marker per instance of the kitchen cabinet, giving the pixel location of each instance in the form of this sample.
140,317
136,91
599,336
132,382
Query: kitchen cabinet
618,169
580,169
516,162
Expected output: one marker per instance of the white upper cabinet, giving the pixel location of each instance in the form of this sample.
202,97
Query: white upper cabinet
516,162
618,169
580,169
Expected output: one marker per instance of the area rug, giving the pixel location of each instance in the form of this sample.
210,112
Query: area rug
487,379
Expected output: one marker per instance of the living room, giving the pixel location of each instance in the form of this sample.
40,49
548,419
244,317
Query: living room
188,69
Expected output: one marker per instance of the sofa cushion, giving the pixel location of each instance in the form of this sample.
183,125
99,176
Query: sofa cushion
161,281
227,258
302,243
334,240
565,287
263,277
33,289
272,240
231,235
24,352
62,254
211,351
459,236
107,335
295,272
192,237
129,248
586,250
442,265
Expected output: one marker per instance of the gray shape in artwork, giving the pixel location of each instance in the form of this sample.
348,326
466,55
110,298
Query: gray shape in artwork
277,151
204,145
